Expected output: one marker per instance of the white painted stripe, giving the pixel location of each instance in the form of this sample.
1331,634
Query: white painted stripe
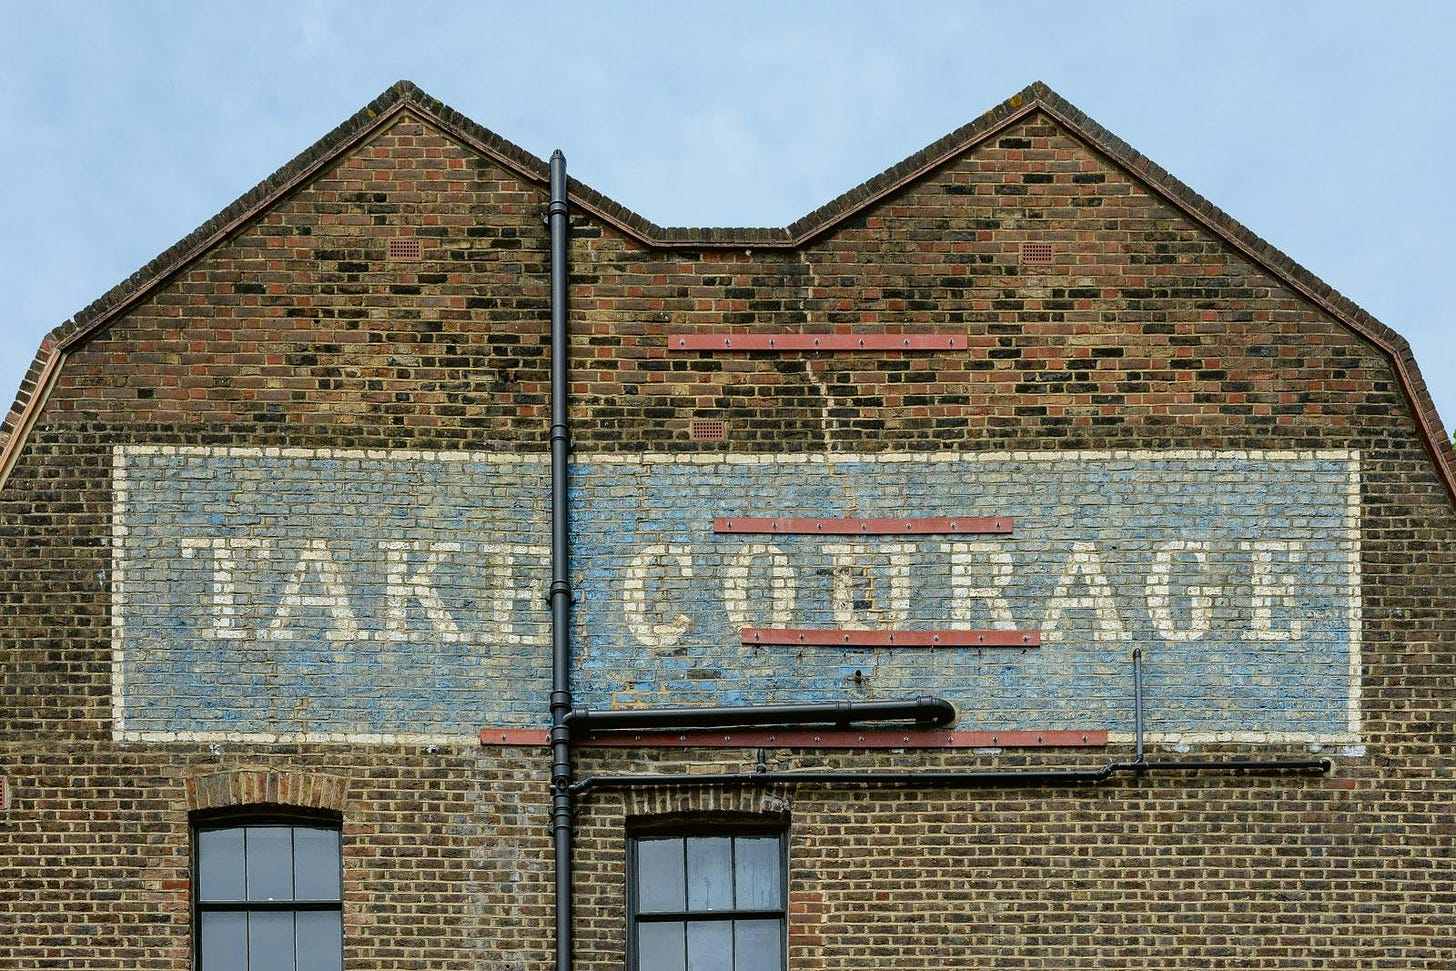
308,738
1211,738
1356,608
404,738
405,455
744,458
118,591
1069,455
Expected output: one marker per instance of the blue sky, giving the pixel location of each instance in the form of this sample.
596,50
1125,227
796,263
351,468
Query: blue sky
1325,127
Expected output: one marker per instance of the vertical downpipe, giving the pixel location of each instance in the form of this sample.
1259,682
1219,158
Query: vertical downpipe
1137,702
560,591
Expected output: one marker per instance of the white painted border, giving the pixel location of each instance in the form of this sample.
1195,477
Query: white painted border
247,451
747,458
1257,738
310,738
119,531
1068,455
118,592
1357,603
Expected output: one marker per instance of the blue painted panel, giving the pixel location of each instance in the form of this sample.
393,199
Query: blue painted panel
292,592
1285,670
342,654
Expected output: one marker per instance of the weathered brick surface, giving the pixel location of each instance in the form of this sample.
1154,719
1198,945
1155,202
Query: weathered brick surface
438,845
1146,333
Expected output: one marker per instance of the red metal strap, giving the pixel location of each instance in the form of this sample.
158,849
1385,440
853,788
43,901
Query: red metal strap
892,638
526,737
817,342
801,738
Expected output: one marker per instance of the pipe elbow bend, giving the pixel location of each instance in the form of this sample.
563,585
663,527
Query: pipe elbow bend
936,711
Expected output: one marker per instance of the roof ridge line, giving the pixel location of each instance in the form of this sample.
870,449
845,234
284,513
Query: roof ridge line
285,177
1284,267
1037,96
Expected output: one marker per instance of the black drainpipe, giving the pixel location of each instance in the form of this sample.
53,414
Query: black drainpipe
933,779
924,710
560,591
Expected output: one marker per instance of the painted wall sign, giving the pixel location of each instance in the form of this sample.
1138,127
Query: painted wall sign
286,593
1238,573
260,594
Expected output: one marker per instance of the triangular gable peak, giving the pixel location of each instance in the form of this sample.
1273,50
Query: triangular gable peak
400,99
405,97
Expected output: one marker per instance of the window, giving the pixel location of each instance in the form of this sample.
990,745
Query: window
707,902
268,895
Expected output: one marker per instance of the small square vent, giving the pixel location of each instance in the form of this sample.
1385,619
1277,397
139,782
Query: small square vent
708,430
1036,252
404,248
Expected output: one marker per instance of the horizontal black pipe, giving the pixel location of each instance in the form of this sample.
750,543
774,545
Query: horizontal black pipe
923,711
1319,766
952,779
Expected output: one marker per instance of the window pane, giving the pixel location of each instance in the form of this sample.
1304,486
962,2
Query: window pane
758,945
270,941
723,877
315,863
661,947
270,863
660,876
220,864
710,945
710,873
320,940
224,941
756,865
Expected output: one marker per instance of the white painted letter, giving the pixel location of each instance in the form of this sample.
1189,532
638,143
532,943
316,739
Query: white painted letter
854,583
634,595
399,587
507,592
1271,590
224,577
334,600
782,582
1085,566
963,557
1159,589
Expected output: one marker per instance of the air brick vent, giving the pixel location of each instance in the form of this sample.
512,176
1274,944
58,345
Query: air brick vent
407,248
1036,252
708,430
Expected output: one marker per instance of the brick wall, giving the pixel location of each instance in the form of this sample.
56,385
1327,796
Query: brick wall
1152,384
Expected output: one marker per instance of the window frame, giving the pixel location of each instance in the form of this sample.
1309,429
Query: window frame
270,817
689,831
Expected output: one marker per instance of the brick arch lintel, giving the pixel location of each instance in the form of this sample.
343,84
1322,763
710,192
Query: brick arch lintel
265,787
708,801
